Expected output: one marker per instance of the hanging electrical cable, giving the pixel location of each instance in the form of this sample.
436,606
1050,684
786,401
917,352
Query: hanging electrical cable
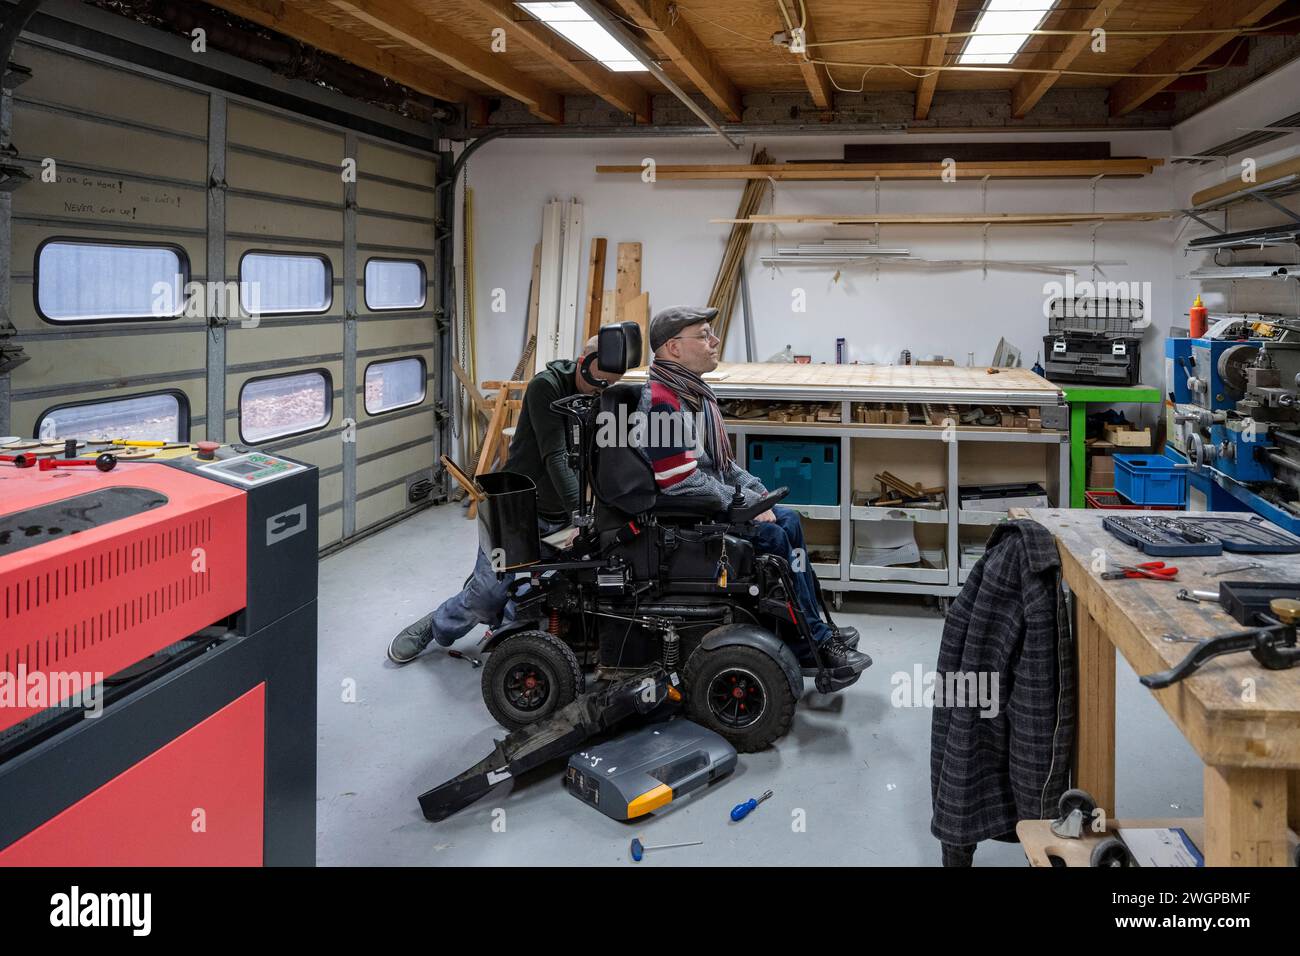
963,34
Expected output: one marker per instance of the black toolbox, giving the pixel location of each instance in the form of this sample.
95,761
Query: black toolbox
1091,359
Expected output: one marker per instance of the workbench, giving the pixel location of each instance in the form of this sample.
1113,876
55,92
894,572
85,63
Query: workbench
932,454
1079,397
1250,747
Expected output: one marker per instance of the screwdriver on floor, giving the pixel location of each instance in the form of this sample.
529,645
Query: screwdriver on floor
638,848
741,810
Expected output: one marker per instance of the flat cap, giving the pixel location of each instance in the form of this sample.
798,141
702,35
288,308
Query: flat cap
669,322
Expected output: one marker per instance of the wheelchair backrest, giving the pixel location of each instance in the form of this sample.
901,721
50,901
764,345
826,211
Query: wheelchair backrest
621,476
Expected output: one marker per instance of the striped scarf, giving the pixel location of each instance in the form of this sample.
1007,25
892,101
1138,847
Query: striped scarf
697,396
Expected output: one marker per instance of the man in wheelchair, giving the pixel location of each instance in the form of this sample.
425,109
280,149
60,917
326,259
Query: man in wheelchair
685,348
692,593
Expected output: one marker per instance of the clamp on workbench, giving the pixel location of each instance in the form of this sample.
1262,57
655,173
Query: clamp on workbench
1273,644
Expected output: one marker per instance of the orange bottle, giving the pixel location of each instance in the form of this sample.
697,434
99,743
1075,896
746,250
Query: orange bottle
1197,316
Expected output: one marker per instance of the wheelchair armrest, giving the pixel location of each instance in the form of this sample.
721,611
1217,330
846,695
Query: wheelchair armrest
749,512
685,507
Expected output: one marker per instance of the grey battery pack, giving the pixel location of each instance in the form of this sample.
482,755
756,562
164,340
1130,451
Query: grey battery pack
641,771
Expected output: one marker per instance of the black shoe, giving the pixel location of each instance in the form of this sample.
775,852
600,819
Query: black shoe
847,635
837,657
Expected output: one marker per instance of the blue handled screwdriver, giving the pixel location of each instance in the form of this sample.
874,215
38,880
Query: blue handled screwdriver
741,810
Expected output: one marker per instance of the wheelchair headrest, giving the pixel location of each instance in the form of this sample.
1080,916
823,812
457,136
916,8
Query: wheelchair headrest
619,347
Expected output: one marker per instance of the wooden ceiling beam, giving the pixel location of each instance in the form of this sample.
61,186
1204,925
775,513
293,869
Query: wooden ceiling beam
679,42
941,17
815,76
428,36
1033,86
1180,53
292,22
616,89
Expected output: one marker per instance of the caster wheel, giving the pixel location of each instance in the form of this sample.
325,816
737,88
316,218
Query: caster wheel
1076,800
837,600
1112,852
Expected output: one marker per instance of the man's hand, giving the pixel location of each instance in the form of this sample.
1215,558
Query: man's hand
766,516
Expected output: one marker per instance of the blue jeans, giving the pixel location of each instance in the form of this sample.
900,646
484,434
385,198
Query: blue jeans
782,538
484,599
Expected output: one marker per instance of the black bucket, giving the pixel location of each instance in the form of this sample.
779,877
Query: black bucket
507,520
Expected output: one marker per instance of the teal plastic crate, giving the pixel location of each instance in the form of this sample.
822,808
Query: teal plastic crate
1150,480
810,468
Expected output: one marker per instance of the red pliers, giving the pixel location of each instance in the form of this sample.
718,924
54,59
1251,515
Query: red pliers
1156,570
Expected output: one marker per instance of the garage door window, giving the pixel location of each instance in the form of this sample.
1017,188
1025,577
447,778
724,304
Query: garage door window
279,283
78,281
282,405
398,383
159,416
394,284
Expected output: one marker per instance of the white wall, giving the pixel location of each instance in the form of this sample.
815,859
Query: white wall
930,312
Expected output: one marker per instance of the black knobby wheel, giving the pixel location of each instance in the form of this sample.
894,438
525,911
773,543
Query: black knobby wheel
529,676
736,697
740,692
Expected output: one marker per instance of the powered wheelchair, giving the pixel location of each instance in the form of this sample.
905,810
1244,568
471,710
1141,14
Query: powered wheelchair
650,582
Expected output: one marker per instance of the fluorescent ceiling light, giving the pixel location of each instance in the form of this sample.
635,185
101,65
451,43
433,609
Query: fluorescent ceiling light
576,26
1011,20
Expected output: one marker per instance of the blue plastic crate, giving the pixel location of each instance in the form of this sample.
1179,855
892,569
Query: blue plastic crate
1150,480
810,468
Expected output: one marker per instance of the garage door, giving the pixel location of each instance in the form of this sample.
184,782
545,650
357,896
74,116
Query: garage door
193,265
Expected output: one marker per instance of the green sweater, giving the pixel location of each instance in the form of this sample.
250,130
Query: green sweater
538,448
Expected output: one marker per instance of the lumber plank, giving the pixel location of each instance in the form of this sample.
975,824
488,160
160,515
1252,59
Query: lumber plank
925,219
595,285
1008,169
1289,167
638,311
627,285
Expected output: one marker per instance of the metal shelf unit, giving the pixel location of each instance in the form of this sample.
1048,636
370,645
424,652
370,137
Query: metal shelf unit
941,582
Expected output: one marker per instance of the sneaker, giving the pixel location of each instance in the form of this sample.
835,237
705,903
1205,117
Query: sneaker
413,639
837,657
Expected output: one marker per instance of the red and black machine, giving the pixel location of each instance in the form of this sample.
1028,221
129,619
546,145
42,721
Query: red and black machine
158,660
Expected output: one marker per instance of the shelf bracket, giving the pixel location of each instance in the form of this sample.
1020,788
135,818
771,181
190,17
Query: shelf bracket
1095,227
1206,223
1095,180
1265,198
984,195
985,246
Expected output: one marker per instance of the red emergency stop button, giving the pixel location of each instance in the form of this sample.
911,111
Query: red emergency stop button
208,450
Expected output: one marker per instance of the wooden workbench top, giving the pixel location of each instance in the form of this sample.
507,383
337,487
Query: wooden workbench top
914,383
1233,711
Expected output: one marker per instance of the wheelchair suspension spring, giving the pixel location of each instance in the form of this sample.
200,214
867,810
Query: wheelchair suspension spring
554,624
672,644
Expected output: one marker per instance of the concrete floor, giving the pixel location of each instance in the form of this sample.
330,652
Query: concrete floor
856,766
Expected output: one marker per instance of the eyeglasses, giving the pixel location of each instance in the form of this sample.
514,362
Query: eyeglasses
709,334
